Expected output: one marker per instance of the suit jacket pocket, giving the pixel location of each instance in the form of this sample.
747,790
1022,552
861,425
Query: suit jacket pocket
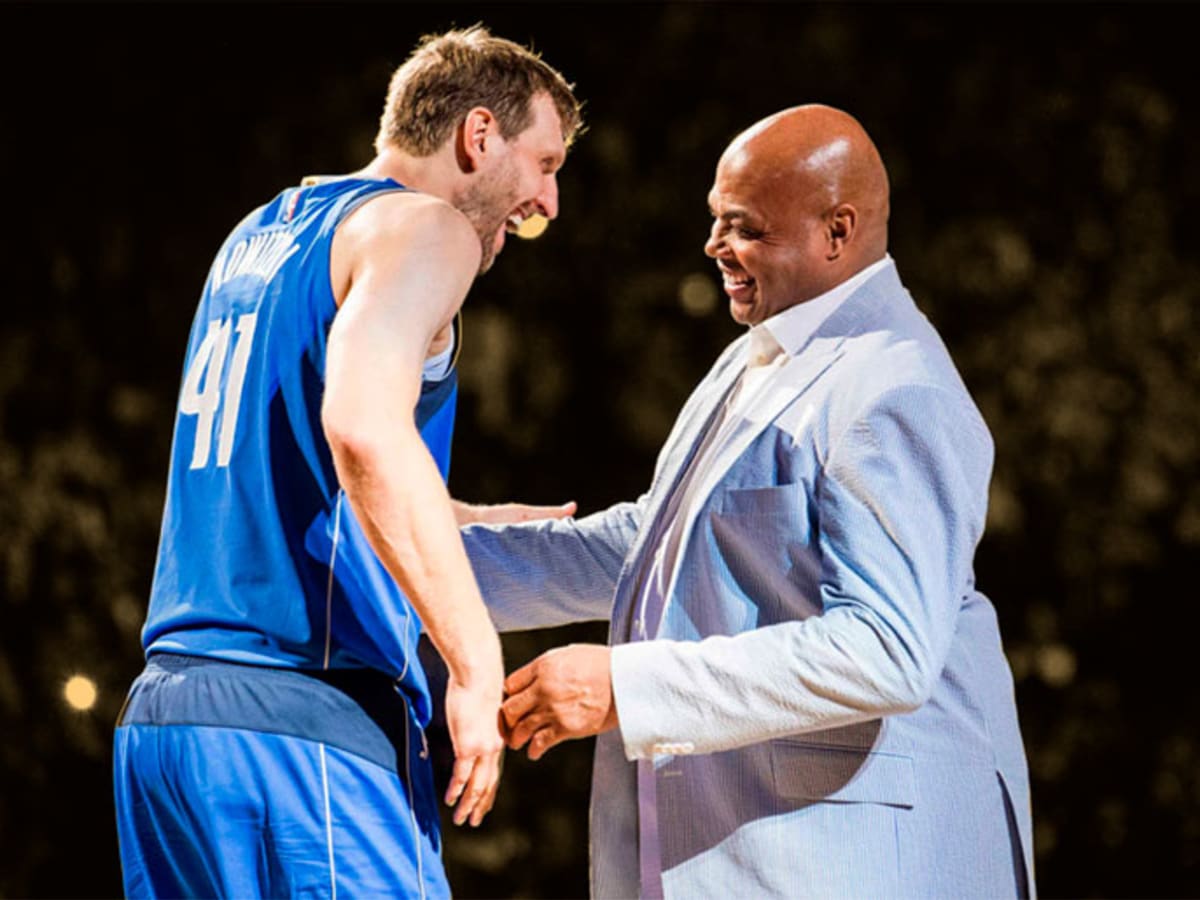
781,500
837,775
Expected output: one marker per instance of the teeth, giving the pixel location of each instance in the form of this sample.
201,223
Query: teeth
515,220
732,280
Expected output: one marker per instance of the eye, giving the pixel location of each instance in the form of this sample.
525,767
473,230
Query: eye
747,233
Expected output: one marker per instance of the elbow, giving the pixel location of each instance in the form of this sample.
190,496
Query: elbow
911,695
349,446
902,663
356,446
909,683
897,671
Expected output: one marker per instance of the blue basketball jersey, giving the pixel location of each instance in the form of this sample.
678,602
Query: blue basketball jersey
261,559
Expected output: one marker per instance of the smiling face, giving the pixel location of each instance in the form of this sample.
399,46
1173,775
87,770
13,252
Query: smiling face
769,234
800,204
518,179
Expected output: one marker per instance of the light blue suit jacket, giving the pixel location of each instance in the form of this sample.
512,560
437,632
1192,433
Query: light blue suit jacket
825,696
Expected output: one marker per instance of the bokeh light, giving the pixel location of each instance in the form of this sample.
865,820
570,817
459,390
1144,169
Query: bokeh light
1056,664
697,294
533,227
80,693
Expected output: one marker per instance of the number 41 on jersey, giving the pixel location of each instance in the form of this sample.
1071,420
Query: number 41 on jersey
218,393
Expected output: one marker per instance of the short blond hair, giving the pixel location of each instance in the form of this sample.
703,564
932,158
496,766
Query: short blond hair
449,74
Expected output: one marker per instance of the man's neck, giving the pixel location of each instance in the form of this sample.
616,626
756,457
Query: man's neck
436,175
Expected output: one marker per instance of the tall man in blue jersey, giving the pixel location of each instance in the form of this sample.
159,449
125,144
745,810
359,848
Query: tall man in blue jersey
274,743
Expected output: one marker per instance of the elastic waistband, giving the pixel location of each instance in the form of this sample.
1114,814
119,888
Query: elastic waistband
360,711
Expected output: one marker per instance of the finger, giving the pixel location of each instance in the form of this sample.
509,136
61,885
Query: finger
470,793
485,803
518,706
526,728
480,787
522,726
459,776
521,678
464,513
562,511
542,741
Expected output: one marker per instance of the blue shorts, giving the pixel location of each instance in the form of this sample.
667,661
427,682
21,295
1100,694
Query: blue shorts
241,781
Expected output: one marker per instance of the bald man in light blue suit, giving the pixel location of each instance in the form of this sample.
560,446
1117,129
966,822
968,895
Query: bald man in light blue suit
804,694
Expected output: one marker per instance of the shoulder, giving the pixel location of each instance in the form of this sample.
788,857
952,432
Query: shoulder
897,365
888,342
418,219
906,396
401,232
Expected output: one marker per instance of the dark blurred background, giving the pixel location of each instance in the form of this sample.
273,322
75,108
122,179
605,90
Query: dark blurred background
1045,179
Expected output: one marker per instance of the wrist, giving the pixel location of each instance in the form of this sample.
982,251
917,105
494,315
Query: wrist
482,665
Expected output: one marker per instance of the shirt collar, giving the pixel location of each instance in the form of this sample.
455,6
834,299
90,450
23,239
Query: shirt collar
790,330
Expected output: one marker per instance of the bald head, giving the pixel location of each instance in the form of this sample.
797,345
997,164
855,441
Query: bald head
812,185
827,154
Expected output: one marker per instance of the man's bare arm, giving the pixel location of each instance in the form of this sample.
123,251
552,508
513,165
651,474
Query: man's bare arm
405,263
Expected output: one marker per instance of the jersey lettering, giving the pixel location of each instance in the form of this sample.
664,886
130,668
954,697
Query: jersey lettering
259,256
204,388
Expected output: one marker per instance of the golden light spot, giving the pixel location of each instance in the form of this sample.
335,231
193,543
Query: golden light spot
80,692
533,227
697,294
1056,664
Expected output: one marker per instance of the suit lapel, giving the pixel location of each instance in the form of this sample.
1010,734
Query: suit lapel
780,390
679,451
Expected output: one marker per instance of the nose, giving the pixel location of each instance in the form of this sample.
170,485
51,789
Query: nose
715,242
547,198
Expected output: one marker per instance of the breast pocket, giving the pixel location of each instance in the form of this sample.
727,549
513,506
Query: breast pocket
838,775
780,501
764,539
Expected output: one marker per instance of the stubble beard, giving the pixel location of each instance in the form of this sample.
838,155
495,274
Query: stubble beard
486,204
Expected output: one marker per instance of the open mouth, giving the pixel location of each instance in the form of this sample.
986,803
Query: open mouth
737,284
514,221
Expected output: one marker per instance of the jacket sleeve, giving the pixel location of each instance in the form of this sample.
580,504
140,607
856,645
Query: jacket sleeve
900,501
553,572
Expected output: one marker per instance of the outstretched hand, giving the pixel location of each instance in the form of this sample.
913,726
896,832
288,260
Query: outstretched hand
565,693
475,726
508,513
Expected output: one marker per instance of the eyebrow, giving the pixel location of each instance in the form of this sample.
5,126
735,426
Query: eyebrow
729,215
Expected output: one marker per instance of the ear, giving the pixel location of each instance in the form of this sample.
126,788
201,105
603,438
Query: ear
478,126
839,230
